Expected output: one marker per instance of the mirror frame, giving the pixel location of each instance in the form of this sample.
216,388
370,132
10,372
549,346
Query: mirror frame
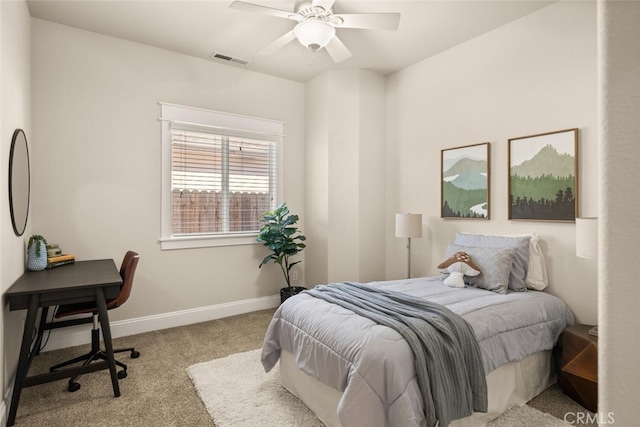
19,228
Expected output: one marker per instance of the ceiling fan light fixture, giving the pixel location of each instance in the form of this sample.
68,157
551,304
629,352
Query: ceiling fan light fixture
314,34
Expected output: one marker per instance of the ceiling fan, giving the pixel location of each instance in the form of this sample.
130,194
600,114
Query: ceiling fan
316,25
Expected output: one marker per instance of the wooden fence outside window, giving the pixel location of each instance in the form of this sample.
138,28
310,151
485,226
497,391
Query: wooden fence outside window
201,212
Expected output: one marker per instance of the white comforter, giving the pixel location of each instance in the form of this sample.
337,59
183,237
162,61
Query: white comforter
373,364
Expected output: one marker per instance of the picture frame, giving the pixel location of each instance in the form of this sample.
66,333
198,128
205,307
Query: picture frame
543,176
464,182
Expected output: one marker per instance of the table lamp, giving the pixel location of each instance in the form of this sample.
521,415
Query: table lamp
587,237
408,225
587,245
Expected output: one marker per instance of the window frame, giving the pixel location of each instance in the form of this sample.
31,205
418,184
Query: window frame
230,124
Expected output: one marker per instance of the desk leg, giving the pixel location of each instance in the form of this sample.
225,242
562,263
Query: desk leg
43,322
25,357
106,334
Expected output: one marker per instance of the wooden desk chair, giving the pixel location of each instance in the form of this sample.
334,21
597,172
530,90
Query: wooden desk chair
127,271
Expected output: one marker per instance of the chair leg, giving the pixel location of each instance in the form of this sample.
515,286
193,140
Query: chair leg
95,354
134,353
122,365
100,355
95,348
84,358
73,384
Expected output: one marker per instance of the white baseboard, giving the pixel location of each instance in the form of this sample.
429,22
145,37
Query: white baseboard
78,335
8,393
3,413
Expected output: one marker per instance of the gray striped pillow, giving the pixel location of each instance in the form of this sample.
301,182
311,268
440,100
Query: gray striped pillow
494,263
520,265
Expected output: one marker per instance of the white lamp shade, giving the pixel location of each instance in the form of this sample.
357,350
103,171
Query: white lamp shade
314,34
587,238
408,225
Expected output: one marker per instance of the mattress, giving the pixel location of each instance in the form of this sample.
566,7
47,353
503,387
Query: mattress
371,366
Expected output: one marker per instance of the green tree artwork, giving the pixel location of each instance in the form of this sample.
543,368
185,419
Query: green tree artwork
464,182
543,176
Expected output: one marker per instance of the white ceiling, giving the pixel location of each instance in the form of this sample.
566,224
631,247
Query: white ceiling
198,28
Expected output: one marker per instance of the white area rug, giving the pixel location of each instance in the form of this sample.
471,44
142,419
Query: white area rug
237,392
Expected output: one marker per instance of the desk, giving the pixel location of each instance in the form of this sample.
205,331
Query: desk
83,281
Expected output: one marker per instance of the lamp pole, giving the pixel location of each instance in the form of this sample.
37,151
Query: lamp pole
408,257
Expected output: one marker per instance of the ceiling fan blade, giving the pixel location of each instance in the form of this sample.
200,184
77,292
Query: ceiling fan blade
337,50
367,21
251,7
278,44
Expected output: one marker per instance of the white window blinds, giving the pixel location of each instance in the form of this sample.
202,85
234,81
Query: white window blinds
220,174
220,183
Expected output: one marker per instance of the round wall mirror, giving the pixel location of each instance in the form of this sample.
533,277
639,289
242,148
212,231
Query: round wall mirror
19,182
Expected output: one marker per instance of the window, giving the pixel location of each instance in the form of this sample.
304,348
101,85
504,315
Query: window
220,173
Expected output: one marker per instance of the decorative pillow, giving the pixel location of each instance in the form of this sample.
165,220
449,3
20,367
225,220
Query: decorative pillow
458,265
494,263
537,278
520,264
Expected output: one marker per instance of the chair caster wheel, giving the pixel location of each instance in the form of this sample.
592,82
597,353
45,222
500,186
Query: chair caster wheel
135,354
122,374
73,386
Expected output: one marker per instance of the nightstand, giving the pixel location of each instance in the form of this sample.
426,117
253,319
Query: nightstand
579,366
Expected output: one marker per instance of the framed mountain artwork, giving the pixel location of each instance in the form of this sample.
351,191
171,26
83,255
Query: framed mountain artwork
543,171
465,182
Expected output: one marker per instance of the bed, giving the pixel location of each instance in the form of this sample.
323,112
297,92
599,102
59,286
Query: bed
352,371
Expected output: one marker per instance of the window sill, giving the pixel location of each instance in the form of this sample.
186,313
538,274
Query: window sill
191,242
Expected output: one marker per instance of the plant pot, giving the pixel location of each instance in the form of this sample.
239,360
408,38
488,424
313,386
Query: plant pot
290,291
34,262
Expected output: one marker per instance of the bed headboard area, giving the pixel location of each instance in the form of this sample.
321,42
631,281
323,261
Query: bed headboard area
539,262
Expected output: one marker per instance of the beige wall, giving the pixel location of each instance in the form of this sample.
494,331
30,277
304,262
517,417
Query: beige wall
619,84
344,174
534,75
317,180
371,175
97,161
15,112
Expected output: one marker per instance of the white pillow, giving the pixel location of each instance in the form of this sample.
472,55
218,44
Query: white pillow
537,278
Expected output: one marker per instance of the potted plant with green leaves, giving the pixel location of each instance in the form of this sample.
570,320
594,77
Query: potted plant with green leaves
280,234
36,253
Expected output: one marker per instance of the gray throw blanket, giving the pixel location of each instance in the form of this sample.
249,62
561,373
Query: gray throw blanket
448,362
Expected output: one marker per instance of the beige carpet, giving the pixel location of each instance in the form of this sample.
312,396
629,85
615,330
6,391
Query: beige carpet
158,391
238,393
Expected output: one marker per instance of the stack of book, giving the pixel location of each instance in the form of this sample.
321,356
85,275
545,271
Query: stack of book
55,257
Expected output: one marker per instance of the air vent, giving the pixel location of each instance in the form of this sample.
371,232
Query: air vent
217,56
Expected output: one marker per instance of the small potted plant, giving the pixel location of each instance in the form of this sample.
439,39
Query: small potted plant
37,253
281,236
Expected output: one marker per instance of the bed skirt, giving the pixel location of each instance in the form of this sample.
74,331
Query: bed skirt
510,385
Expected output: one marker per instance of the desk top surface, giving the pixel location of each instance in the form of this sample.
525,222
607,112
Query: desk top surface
81,274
